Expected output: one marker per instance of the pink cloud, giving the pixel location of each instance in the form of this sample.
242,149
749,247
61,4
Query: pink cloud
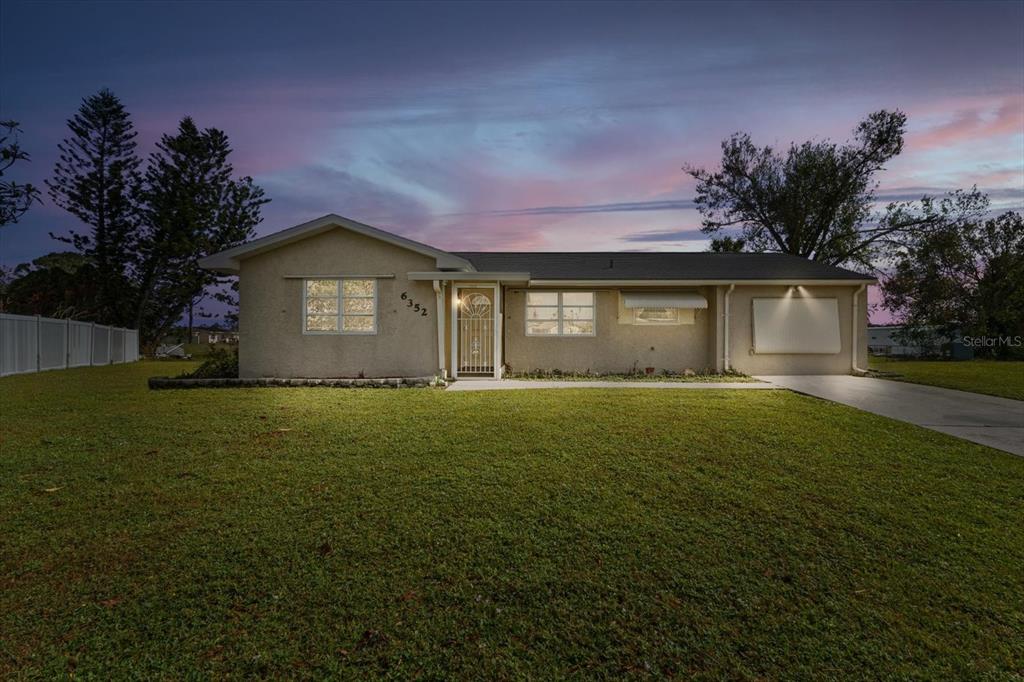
973,124
997,177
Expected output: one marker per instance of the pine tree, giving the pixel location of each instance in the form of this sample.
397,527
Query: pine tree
94,180
191,207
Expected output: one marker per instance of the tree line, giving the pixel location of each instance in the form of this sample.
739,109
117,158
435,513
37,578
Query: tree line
147,223
947,264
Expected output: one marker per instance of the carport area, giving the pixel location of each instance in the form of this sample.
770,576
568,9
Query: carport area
988,420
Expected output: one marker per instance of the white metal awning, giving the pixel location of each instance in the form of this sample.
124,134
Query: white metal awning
664,300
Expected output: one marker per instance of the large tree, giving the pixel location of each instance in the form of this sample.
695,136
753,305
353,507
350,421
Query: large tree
15,199
94,180
963,279
192,206
54,285
817,200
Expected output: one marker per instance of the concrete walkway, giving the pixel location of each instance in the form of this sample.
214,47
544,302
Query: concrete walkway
988,420
514,384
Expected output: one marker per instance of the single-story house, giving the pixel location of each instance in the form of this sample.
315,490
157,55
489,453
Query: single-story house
889,340
207,336
337,298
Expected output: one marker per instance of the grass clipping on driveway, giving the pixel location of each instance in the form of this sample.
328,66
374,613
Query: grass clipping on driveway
306,532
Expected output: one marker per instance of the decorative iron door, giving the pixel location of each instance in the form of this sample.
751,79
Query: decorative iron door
476,331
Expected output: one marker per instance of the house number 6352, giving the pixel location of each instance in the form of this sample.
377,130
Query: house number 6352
416,307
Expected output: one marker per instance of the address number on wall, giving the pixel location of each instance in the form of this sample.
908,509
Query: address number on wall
416,307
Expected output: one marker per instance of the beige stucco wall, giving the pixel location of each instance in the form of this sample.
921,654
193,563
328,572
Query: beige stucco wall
616,347
270,311
741,340
272,342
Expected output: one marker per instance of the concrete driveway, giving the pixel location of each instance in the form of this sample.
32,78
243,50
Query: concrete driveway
996,422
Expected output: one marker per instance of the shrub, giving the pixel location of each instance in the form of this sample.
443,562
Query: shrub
219,364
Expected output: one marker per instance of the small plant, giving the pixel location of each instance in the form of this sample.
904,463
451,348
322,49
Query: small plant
219,364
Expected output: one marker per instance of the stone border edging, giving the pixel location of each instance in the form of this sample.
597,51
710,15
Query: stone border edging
159,383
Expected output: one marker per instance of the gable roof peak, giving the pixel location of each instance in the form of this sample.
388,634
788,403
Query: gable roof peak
228,261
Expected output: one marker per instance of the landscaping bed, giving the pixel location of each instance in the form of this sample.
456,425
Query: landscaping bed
267,382
724,377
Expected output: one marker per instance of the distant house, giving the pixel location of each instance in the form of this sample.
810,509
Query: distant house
887,340
336,298
208,336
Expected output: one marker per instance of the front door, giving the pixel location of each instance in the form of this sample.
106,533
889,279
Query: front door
475,324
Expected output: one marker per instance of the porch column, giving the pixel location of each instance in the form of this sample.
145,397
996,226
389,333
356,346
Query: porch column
726,325
499,333
439,296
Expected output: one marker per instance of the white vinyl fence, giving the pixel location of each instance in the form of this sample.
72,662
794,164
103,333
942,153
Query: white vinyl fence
33,344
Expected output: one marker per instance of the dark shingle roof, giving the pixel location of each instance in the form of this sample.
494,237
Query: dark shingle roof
656,265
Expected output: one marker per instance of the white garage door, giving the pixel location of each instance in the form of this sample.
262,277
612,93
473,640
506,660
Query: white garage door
796,325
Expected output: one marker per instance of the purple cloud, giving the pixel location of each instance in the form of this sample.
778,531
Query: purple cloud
503,126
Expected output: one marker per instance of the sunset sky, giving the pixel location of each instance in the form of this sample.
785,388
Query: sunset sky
519,126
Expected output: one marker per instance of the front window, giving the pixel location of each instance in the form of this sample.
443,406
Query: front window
341,306
560,313
656,315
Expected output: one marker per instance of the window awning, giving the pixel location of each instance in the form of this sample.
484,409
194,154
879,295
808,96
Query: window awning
664,300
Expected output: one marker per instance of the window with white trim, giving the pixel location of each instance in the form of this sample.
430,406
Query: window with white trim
560,313
340,306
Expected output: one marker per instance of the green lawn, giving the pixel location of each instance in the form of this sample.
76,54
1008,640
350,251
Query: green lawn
588,533
992,377
201,350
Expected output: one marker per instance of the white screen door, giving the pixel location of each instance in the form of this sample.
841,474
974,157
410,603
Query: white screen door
476,331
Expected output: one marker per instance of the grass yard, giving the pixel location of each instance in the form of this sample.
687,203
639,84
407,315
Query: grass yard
992,377
590,533
201,350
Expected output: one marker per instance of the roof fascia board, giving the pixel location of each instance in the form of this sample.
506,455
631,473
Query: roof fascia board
474,276
229,259
696,282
